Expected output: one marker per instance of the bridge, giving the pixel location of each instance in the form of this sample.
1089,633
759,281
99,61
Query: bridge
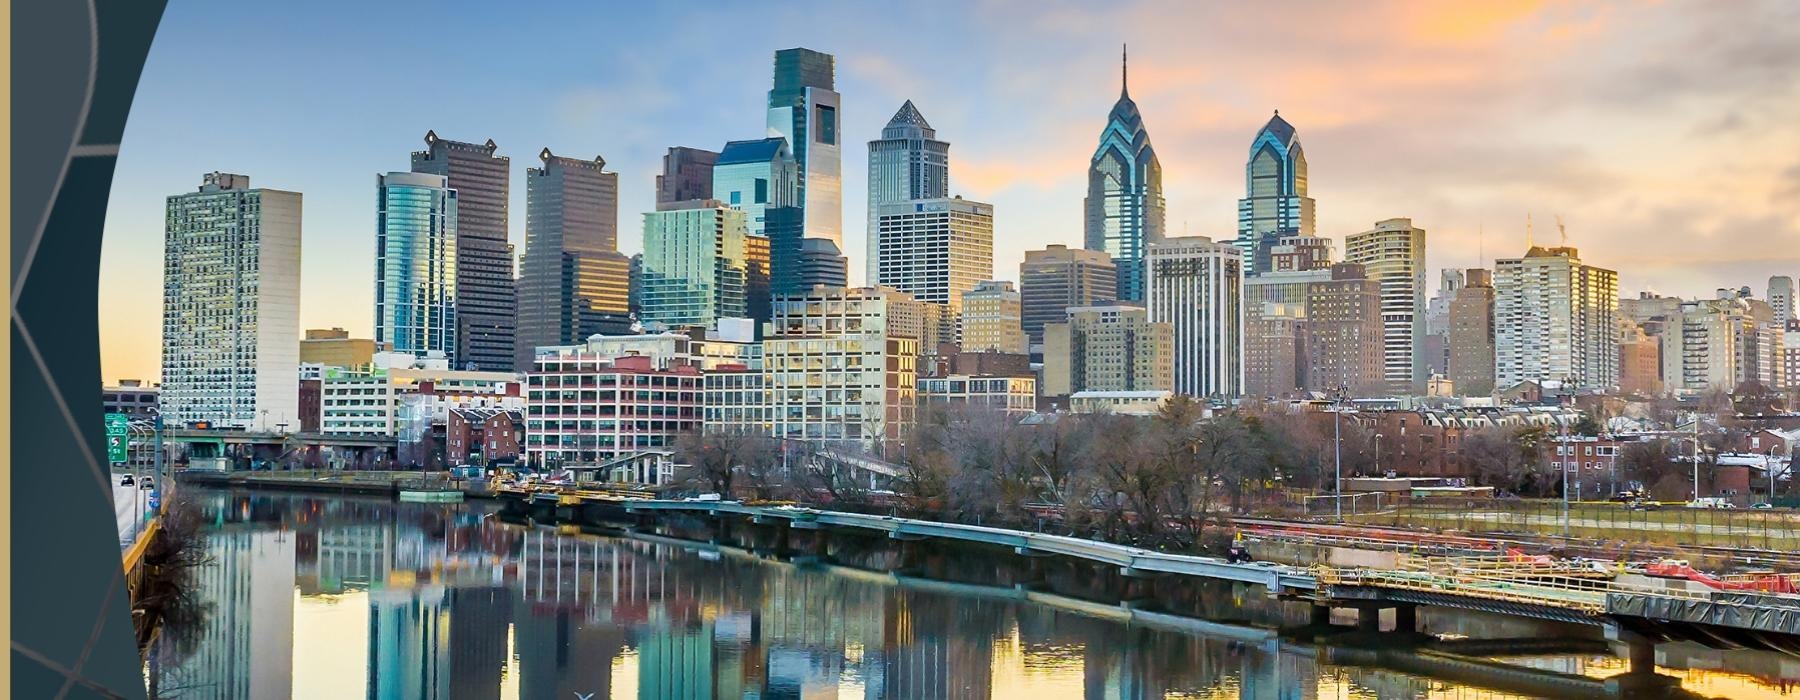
1636,610
223,450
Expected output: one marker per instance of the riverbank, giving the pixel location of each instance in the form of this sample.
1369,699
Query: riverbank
377,483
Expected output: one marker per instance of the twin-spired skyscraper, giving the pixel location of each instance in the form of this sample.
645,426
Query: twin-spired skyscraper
1124,203
1275,202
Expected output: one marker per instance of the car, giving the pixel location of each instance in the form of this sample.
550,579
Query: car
1762,506
126,480
1643,505
147,484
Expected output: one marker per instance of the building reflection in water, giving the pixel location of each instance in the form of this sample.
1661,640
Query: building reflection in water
464,606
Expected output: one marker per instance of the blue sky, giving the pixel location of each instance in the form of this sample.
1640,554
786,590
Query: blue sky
1664,135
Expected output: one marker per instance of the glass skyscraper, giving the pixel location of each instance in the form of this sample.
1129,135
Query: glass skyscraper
753,177
803,108
696,264
415,263
1125,201
906,163
1275,202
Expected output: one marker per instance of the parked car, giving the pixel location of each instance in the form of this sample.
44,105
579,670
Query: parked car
1762,506
1643,505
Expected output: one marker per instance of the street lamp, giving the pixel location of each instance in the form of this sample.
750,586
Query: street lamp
1337,449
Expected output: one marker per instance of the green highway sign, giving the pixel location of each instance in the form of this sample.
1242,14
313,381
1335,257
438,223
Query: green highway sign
118,438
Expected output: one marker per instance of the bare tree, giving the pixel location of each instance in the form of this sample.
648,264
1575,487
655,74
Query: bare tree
728,461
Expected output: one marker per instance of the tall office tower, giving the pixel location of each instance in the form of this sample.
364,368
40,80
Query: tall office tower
803,108
822,264
1640,361
1124,202
1437,322
1058,277
1781,296
687,174
696,260
1196,286
1275,351
906,163
1344,335
754,177
231,305
936,249
1275,202
991,319
1471,335
756,278
1393,253
573,282
1556,319
1108,348
415,263
485,297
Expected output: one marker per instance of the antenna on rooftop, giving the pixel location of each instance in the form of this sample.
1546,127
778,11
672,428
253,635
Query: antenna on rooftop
1528,232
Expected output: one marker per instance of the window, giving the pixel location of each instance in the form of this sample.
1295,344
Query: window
826,118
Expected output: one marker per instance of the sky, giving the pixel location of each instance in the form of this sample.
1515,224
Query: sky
1665,135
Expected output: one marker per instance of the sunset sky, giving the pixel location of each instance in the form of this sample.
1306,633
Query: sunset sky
1666,135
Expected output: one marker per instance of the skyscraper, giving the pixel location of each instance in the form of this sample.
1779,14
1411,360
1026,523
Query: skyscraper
231,305
1196,286
1275,202
803,108
1781,296
906,163
573,282
821,264
1058,277
485,297
1556,319
1471,335
936,249
687,174
415,264
696,262
1124,201
753,177
1393,253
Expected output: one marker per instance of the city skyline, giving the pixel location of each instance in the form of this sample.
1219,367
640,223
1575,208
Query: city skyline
1500,124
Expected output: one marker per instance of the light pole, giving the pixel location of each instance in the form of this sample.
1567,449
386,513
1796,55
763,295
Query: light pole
1337,450
1562,462
1378,470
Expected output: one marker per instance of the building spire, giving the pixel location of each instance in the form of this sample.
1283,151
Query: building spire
1124,63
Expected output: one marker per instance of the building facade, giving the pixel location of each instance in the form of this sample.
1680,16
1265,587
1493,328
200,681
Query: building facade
416,264
385,401
696,264
936,249
573,282
485,296
1640,361
1058,277
1555,320
842,369
1471,335
1345,341
992,319
1196,286
231,305
822,264
803,108
908,162
1393,254
584,409
1014,395
754,177
1108,348
1781,298
687,174
1124,204
333,347
1275,203
483,436
1275,335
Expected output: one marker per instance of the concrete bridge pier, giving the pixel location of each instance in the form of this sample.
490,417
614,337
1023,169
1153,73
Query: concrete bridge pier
1320,616
1036,575
1641,678
720,529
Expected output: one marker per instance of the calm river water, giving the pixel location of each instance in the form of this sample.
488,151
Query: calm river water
343,597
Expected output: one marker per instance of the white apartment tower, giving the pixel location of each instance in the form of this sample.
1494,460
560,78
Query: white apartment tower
1196,286
231,306
936,249
1555,319
1393,254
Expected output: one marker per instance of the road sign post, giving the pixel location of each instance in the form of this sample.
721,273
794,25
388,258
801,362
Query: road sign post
118,438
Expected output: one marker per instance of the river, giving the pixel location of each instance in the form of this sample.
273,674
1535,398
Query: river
345,597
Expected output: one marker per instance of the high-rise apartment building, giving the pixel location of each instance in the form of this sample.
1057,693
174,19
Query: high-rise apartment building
573,282
1393,254
803,108
936,249
1781,297
1108,348
687,174
1058,277
908,162
1555,320
992,319
1196,286
1275,204
1345,339
485,295
1720,344
1275,337
838,371
1124,202
696,264
416,263
1640,361
231,305
1471,335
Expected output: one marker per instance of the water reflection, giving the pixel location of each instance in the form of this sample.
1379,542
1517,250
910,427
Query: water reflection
339,597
